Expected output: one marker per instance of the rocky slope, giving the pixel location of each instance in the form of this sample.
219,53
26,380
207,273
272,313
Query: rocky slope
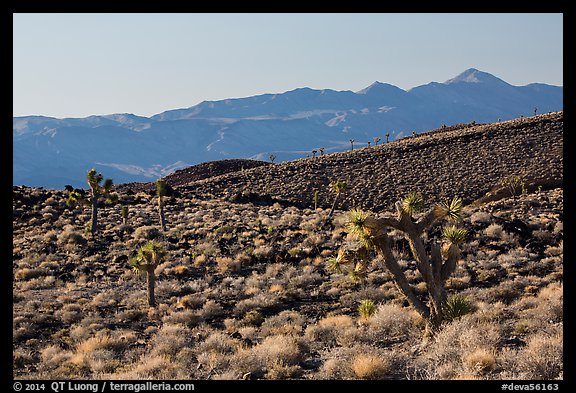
466,160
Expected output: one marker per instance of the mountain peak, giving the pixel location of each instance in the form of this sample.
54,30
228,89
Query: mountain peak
472,75
378,87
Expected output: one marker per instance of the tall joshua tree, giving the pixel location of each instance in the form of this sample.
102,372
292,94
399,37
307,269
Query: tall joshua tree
97,189
387,136
338,187
352,144
160,193
435,267
150,255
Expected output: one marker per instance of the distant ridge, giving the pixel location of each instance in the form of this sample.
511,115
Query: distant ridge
50,152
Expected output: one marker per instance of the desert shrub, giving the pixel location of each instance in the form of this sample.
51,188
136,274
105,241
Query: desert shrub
328,330
455,344
494,231
542,358
227,264
211,309
171,339
480,217
392,320
480,361
286,350
27,274
70,237
146,233
286,322
368,366
187,318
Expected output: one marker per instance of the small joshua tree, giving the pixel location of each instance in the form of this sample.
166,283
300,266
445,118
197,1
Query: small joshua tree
272,157
96,190
435,266
352,144
314,153
124,213
376,140
338,187
321,151
160,193
150,255
387,136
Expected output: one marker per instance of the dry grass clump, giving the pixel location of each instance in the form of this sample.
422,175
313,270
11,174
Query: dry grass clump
271,352
391,320
329,330
287,322
480,361
227,264
367,366
69,238
542,358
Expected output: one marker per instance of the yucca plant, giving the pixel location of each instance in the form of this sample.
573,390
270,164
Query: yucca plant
456,307
412,203
161,193
96,190
367,308
149,256
434,266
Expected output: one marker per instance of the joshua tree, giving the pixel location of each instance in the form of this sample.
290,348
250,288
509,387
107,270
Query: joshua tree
376,140
316,193
210,167
435,267
272,157
150,255
160,193
96,189
337,187
124,213
321,151
387,136
368,143
535,110
352,144
314,153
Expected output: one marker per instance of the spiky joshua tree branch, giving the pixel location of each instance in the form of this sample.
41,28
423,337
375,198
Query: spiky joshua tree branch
435,267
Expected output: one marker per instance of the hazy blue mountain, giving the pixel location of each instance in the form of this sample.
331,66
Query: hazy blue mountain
52,152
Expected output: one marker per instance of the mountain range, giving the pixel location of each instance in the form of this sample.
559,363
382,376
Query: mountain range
50,152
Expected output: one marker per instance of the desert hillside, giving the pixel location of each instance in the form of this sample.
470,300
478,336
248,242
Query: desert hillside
247,289
466,160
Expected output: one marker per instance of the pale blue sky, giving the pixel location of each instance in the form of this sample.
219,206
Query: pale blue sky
76,65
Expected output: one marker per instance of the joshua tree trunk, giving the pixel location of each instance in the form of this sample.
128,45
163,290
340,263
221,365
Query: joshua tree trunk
151,284
94,221
161,210
333,207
